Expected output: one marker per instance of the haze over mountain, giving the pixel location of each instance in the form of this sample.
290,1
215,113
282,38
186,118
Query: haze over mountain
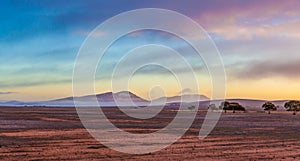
184,98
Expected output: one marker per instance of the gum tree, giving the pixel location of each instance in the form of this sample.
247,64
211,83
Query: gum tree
292,106
268,106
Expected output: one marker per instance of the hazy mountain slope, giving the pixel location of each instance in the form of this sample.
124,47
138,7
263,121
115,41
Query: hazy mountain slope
183,98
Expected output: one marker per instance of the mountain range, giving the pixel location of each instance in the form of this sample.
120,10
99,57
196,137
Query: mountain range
123,98
126,98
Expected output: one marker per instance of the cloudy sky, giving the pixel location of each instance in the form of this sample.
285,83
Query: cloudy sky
259,42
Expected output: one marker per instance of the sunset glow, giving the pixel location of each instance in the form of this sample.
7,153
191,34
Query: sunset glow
259,43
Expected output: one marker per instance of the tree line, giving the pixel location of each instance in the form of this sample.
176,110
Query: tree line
292,105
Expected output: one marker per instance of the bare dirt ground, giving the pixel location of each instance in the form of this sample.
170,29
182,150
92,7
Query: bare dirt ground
40,133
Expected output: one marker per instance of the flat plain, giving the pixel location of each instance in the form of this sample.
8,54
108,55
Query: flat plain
56,133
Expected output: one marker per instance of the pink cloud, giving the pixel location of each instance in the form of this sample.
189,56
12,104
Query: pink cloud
246,20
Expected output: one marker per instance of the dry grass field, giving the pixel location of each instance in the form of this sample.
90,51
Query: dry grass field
41,133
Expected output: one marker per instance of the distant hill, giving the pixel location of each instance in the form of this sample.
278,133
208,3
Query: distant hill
183,98
13,102
123,98
126,98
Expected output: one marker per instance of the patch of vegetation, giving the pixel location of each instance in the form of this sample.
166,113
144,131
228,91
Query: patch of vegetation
292,106
213,107
234,106
268,106
192,107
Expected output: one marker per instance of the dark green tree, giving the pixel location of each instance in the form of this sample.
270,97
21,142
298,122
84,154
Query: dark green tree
268,106
292,106
231,106
224,105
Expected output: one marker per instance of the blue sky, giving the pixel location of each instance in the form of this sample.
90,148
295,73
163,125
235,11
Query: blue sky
39,41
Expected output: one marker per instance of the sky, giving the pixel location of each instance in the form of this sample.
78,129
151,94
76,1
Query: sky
259,42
